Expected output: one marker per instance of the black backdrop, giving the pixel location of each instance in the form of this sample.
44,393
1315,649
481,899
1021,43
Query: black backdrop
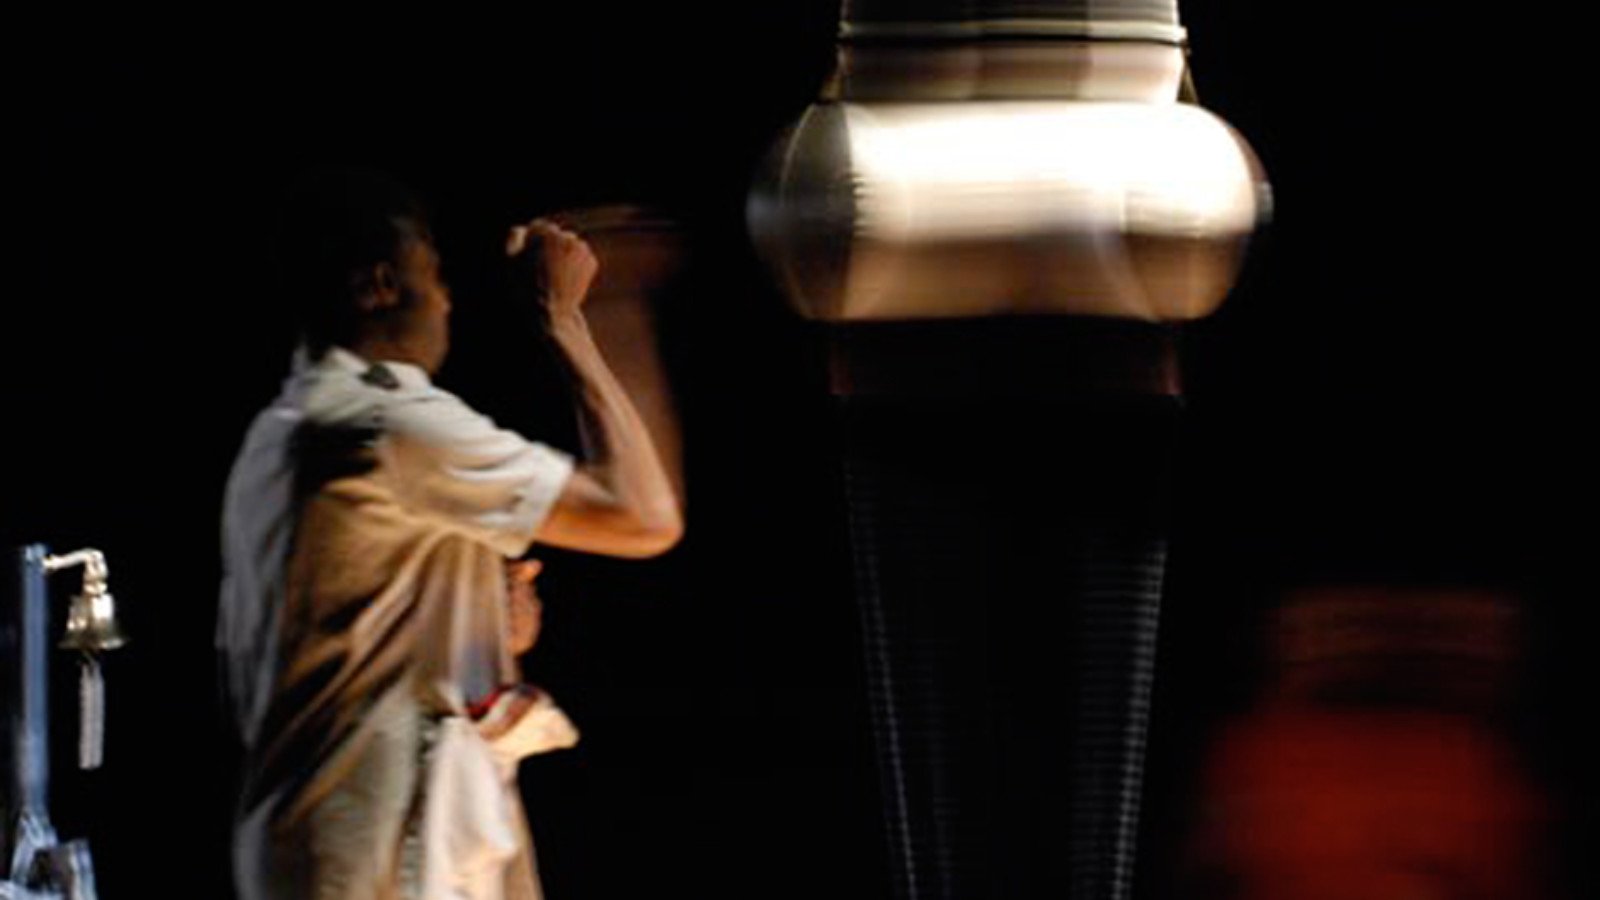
1390,394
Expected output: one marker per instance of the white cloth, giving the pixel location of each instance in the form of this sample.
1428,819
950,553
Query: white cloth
365,530
466,843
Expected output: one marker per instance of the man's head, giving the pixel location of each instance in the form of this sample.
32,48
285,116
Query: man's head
360,262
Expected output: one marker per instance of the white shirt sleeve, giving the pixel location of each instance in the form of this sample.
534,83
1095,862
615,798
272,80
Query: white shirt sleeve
454,464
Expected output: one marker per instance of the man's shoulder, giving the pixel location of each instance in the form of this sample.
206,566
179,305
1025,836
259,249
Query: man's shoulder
401,403
395,401
345,389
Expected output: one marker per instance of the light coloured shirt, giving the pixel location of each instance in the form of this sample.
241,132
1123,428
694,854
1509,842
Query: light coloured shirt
366,526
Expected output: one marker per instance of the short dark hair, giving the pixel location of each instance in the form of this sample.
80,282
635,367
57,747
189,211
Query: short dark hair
334,225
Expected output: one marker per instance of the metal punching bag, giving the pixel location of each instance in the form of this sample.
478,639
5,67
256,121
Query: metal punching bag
1001,211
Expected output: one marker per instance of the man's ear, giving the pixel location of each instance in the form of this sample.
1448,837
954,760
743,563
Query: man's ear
378,287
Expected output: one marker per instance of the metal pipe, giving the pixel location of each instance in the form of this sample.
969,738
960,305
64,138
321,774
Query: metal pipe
32,725
24,621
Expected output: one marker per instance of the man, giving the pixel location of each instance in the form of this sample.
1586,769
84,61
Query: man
367,524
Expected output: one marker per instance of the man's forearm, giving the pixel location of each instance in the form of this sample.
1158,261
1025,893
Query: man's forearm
622,457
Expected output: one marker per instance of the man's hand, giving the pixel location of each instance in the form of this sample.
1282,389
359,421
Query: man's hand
565,266
525,613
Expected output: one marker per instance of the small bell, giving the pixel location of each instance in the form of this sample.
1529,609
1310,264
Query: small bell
91,621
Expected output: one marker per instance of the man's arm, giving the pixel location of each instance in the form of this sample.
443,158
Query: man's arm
620,502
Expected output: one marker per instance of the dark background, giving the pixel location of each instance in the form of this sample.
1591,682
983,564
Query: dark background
1390,394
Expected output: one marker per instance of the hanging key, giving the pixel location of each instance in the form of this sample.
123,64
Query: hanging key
91,712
